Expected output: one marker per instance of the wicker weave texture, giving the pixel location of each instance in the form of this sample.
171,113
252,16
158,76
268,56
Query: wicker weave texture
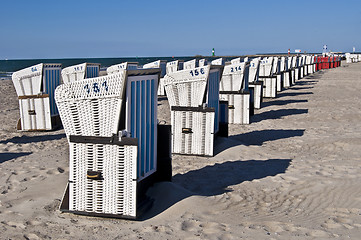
91,107
187,87
115,193
200,139
238,107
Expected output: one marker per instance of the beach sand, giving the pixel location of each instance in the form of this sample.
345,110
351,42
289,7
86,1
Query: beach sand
293,173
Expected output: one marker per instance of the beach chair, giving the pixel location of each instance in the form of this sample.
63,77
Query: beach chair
80,72
173,66
190,64
35,88
269,80
296,65
348,57
234,89
302,66
280,71
157,64
293,70
193,96
236,60
218,61
111,126
314,63
122,66
162,65
255,86
287,72
309,66
305,65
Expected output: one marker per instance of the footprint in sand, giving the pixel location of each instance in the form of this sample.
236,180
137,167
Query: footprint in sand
213,227
31,236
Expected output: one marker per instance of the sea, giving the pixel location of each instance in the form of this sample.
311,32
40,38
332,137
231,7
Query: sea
7,67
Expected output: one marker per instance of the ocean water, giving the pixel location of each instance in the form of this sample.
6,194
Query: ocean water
7,67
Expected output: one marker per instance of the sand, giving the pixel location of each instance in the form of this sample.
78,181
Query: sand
293,173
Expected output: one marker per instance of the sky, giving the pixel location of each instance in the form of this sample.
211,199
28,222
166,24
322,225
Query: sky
129,28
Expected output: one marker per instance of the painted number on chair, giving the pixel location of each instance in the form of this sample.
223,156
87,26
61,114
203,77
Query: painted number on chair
235,69
195,72
96,87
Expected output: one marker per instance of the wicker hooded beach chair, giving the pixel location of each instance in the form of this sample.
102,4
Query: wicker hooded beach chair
35,88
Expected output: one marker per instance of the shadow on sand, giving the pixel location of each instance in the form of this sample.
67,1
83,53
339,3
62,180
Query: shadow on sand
282,102
32,139
211,180
9,156
292,94
276,114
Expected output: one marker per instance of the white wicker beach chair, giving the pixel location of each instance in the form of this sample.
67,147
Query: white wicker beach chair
80,72
313,64
268,78
297,68
291,70
348,57
35,88
193,96
173,66
162,64
111,126
309,63
218,61
304,66
287,72
190,64
234,89
301,65
122,66
254,85
276,70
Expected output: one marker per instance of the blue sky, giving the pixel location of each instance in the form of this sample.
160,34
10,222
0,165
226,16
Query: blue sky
109,28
